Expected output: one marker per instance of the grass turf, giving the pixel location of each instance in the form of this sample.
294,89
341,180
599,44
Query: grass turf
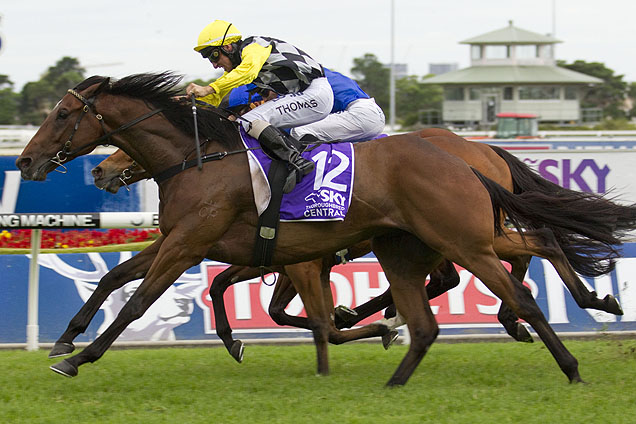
455,383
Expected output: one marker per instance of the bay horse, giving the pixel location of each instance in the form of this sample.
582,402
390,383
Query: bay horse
118,169
410,198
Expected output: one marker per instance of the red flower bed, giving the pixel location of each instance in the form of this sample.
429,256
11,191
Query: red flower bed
64,239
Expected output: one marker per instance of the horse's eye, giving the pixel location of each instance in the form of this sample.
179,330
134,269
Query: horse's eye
62,114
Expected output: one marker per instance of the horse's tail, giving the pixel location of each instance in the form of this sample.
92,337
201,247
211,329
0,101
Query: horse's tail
525,178
618,219
588,227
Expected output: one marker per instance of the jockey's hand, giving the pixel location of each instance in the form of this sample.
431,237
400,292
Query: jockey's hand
198,90
256,104
181,98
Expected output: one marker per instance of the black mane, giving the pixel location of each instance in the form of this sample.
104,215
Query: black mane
159,91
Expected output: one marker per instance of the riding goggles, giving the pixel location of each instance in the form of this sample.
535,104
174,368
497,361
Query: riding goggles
213,54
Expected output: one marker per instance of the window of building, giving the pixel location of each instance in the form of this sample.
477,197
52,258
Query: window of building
527,51
475,51
571,93
508,93
547,52
454,93
474,93
497,52
538,92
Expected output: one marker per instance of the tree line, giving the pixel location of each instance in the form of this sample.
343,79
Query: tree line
32,104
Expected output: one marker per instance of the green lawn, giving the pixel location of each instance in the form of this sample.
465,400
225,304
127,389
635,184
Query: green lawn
455,383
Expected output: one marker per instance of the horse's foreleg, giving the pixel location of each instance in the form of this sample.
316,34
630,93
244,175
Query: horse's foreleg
303,277
443,278
220,284
365,310
172,260
336,336
133,269
284,292
406,262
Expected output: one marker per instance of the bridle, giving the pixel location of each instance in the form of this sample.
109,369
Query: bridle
127,174
89,105
66,152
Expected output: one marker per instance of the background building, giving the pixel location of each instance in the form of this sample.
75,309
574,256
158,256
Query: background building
441,68
512,71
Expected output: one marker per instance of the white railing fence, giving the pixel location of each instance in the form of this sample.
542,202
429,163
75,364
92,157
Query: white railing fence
55,221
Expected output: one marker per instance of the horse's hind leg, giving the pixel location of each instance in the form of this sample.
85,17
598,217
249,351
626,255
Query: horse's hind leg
134,268
488,268
542,243
506,316
443,278
406,262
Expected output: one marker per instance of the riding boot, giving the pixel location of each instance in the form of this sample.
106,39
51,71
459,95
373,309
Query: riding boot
283,147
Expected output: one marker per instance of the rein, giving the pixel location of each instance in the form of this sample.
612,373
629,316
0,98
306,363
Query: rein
66,152
187,164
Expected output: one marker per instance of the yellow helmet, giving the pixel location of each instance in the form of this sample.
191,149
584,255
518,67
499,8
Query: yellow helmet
218,33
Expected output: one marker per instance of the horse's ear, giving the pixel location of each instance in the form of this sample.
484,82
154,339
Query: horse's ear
102,85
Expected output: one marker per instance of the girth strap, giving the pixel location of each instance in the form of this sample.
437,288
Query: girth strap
268,221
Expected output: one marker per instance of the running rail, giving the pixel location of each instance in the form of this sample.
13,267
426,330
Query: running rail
56,221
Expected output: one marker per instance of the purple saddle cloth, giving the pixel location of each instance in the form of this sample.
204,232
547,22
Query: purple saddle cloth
322,195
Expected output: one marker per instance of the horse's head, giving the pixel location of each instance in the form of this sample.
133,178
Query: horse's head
117,170
75,127
65,133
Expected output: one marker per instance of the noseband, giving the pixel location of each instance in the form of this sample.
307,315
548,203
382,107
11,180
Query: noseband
89,105
127,174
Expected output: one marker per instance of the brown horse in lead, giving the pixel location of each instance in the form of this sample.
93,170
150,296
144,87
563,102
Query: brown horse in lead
118,169
417,203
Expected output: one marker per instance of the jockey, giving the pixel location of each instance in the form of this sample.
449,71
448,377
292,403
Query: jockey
354,116
305,95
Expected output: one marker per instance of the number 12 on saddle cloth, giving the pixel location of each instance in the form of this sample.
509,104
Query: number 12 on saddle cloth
322,195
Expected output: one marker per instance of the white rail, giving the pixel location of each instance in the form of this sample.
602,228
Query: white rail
39,221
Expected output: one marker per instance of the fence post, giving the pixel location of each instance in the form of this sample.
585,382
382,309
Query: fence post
33,329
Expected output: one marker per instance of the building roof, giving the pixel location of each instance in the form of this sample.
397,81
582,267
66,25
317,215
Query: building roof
511,35
513,75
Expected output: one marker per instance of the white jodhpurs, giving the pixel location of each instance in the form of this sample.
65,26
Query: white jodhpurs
362,120
295,109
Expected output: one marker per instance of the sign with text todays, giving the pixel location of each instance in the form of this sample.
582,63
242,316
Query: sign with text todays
185,312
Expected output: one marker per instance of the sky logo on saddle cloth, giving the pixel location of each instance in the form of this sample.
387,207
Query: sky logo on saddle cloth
323,195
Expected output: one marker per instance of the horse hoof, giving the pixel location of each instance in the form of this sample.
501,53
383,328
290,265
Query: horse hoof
389,338
577,380
65,368
345,313
61,349
344,317
393,382
237,350
613,307
523,335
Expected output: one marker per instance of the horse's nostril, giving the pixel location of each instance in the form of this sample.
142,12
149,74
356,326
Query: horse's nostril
23,162
97,172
